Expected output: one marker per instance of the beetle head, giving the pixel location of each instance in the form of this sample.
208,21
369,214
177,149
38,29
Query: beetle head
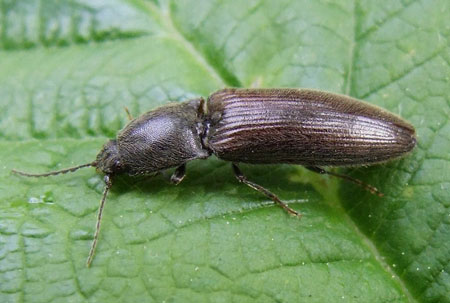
108,160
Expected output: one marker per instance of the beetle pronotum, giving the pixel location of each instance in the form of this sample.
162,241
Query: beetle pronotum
257,126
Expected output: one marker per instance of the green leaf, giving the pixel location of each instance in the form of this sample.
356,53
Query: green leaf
67,69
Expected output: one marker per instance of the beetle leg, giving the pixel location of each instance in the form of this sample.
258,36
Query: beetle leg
240,176
368,187
130,117
178,174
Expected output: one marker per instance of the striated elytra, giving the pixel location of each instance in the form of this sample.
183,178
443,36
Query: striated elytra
257,126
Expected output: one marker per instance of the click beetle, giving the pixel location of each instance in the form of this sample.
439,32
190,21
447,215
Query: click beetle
257,126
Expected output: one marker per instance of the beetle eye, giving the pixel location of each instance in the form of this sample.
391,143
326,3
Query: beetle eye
117,164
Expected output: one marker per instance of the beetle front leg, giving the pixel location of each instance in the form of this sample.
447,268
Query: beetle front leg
178,174
240,176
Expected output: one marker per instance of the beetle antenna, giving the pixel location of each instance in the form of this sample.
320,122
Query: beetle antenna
56,172
108,181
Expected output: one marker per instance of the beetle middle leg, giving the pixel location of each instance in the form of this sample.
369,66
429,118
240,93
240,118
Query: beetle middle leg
368,187
178,174
240,176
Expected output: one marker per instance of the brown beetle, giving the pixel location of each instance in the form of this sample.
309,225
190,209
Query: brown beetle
257,126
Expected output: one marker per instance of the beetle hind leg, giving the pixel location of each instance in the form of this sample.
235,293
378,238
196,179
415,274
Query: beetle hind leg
241,177
368,187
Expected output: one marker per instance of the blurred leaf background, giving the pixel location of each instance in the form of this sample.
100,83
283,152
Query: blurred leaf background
67,69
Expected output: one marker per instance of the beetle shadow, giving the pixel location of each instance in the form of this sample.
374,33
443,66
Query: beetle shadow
215,177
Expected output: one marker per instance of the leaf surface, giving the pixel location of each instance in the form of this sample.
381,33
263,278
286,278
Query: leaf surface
67,69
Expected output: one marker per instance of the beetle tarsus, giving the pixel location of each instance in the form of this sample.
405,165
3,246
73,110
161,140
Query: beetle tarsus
240,176
372,189
178,174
